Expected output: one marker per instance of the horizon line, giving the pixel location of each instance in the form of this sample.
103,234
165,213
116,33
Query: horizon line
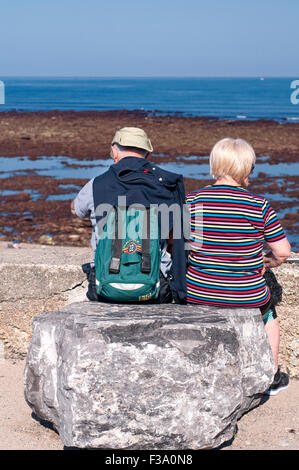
149,76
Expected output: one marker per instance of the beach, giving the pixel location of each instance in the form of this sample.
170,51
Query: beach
35,196
22,430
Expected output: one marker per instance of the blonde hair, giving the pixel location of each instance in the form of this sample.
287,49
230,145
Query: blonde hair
232,157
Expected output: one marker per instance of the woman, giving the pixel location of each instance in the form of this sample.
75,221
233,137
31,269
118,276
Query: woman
229,226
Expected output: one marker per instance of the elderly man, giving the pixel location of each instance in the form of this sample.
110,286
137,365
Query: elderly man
135,178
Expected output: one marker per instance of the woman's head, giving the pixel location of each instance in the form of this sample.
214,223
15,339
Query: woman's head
233,158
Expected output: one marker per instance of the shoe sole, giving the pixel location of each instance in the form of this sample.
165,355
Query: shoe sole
272,393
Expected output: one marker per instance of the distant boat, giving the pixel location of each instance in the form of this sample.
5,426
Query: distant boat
262,78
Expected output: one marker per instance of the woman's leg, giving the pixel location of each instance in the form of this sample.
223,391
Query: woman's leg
272,330
270,320
281,379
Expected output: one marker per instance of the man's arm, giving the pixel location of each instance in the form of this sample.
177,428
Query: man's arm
83,203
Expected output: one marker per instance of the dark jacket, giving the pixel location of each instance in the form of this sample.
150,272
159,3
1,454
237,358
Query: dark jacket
145,183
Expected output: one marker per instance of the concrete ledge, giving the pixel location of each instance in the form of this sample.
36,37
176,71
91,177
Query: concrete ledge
37,281
36,278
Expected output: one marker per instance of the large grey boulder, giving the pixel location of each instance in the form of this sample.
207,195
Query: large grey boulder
146,377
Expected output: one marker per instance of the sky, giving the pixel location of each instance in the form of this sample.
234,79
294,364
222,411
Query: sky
110,38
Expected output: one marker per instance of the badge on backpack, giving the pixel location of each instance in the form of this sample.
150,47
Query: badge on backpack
131,246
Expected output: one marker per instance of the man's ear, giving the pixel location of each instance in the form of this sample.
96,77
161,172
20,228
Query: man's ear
114,153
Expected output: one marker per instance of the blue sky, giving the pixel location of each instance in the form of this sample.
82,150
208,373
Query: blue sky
149,38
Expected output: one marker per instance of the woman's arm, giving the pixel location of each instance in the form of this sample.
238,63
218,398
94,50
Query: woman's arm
279,252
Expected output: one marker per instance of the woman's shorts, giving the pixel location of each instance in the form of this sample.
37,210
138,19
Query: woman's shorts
268,311
269,315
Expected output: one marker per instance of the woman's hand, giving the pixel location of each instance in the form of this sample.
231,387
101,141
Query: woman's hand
280,251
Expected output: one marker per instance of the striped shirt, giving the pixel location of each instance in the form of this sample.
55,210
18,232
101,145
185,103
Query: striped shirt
229,225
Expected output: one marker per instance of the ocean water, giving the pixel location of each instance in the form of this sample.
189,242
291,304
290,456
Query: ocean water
62,167
224,98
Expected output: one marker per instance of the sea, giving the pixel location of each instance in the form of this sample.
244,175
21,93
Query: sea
223,98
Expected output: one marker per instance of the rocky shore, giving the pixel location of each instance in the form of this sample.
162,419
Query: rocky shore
87,134
34,205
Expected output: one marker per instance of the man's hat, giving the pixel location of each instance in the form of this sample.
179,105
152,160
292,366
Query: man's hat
132,137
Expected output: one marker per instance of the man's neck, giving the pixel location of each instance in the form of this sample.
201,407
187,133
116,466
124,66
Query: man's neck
130,154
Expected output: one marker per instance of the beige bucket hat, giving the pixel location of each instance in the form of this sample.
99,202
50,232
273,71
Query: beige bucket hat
132,137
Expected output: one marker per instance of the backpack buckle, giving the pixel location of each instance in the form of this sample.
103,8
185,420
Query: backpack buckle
114,265
145,264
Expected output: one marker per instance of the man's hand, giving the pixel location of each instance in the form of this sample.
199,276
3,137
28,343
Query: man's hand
73,207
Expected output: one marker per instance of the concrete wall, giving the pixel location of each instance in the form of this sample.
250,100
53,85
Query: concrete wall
34,279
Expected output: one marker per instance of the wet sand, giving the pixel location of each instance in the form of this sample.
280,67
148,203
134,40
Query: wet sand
87,136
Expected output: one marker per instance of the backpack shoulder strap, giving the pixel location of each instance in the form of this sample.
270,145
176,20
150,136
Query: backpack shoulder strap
146,256
114,267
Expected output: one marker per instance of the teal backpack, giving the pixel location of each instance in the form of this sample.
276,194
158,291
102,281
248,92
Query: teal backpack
128,256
